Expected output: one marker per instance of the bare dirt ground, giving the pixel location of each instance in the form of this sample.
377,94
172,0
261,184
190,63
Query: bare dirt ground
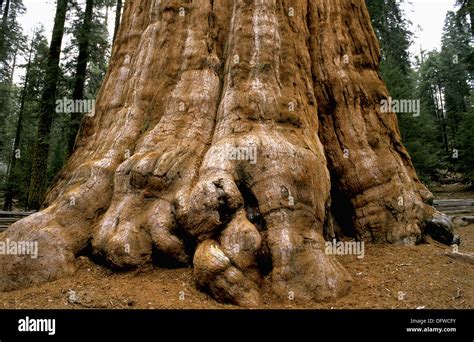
390,277
387,277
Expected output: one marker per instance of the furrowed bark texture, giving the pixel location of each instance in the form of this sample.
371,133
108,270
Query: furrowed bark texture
154,176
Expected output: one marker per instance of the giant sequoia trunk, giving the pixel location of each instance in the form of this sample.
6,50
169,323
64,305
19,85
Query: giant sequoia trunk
165,172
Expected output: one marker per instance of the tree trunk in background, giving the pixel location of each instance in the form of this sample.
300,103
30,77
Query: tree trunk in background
106,19
467,9
204,149
10,185
81,71
4,30
470,10
471,16
118,14
40,159
6,81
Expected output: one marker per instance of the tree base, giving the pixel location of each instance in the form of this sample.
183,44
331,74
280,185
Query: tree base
217,137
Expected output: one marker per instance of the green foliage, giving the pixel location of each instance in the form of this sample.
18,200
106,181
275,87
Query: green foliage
466,144
98,53
30,89
439,79
418,133
21,103
100,48
392,29
12,43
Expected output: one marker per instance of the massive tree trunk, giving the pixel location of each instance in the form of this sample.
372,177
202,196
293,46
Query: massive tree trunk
164,170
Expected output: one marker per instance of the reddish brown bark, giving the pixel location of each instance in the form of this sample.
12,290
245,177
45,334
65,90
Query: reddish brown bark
152,174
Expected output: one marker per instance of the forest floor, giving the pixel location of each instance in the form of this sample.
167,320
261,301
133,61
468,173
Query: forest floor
388,276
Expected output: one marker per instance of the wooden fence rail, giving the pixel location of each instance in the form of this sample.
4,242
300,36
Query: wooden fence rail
458,207
7,218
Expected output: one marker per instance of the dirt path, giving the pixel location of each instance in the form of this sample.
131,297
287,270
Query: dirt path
387,277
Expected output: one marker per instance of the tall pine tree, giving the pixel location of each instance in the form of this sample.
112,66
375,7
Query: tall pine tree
85,33
42,146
